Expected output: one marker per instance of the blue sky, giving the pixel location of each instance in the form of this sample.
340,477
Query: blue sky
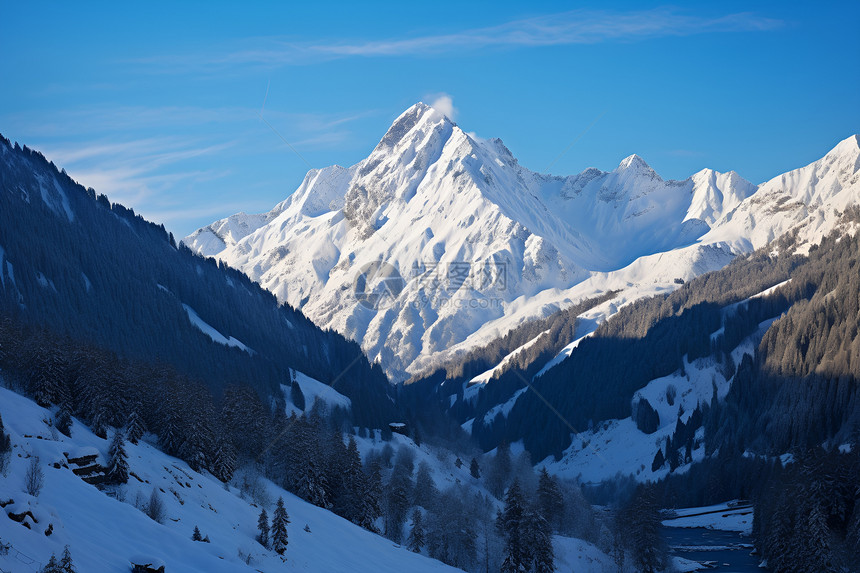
158,105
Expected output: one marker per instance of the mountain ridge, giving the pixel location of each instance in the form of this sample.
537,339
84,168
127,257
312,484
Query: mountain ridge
431,195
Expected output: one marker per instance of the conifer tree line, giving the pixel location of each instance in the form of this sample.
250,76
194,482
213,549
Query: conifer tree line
122,400
650,338
546,337
798,395
808,516
463,527
94,271
556,331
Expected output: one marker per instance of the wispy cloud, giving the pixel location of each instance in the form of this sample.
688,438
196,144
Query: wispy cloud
444,104
136,172
173,164
123,119
566,28
575,27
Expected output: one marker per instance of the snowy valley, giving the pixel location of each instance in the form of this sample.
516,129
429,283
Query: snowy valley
620,351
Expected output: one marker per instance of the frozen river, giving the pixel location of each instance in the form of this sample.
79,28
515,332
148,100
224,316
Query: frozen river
724,551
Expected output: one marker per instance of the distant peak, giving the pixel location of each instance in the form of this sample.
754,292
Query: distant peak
409,119
418,108
851,145
633,162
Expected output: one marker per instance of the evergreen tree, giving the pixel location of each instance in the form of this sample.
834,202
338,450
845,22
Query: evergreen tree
371,499
449,529
510,525
170,420
196,535
646,417
66,565
117,470
500,470
348,502
815,551
643,522
64,420
135,426
425,487
52,566
280,520
474,469
263,528
550,499
659,460
398,495
224,461
297,397
819,494
539,542
313,484
618,550
46,378
415,542
853,534
199,442
778,547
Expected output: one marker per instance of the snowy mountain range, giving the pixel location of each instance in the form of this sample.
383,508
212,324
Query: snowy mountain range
479,244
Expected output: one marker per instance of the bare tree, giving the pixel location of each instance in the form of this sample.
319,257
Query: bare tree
35,477
155,507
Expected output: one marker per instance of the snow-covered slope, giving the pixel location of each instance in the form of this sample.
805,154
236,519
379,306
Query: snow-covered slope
809,199
618,446
482,243
105,532
105,529
314,390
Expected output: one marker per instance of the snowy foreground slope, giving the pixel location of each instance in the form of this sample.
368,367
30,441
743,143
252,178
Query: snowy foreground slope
104,532
483,244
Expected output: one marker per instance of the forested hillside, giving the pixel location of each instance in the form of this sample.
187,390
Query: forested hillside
97,273
652,337
787,434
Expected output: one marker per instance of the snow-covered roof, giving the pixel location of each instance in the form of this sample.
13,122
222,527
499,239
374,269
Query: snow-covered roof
83,452
146,561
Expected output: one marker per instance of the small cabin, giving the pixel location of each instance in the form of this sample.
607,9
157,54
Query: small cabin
82,456
399,428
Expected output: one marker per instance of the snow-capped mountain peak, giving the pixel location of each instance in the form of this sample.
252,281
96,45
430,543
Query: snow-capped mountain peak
419,116
636,164
430,199
715,194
